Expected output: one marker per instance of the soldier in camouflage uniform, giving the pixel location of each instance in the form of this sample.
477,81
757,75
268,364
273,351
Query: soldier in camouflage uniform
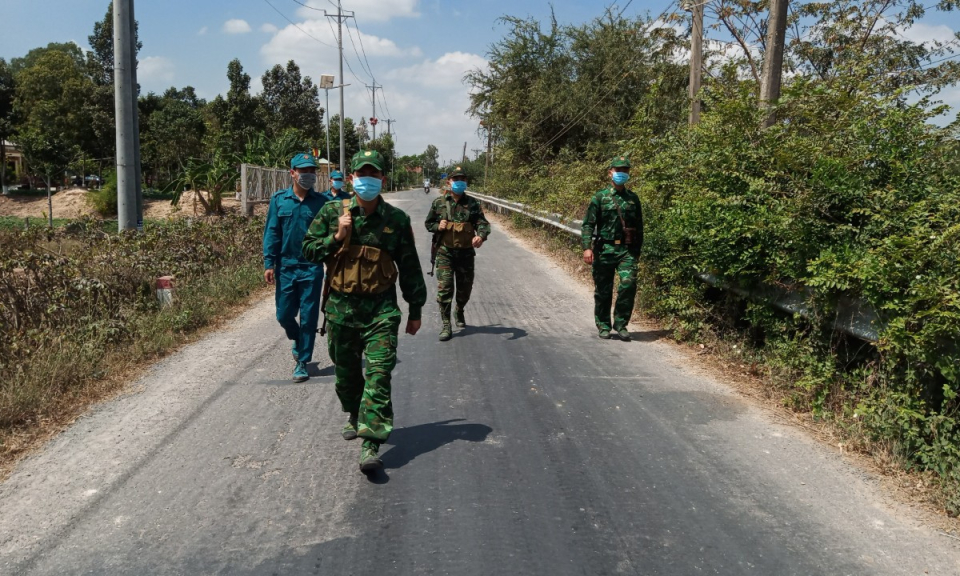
612,234
365,243
458,224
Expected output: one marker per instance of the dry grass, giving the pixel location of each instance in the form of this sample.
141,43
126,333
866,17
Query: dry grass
126,364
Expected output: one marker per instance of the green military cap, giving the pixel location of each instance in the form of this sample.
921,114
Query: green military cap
458,171
371,157
303,160
620,162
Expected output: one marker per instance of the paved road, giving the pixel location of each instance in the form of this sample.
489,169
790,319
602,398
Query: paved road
523,446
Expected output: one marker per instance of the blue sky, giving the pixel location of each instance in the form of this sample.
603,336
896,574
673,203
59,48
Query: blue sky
417,49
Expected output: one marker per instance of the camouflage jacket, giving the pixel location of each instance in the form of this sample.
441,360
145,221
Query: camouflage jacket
357,310
603,222
465,209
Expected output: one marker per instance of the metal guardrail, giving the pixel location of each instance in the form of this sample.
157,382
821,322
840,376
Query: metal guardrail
853,317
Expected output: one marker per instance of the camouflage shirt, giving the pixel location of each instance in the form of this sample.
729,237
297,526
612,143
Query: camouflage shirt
603,221
357,310
465,209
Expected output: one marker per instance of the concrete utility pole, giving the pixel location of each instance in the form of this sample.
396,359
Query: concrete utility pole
695,7
136,117
464,155
389,122
341,16
476,152
129,207
373,89
773,60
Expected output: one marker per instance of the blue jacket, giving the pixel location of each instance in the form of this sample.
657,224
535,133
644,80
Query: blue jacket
287,222
329,195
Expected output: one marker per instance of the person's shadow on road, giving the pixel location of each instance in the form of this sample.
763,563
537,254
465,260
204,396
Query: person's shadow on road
515,333
412,441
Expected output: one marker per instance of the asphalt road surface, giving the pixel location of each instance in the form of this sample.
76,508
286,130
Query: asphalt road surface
525,445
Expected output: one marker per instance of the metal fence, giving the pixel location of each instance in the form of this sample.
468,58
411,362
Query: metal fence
852,317
257,184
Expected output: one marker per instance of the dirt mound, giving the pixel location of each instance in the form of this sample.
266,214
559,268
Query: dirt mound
66,204
73,204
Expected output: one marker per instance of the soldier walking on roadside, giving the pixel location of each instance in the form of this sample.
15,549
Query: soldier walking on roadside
298,280
336,191
459,227
368,247
612,234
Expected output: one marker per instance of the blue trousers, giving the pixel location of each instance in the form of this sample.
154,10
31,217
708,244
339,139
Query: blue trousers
299,289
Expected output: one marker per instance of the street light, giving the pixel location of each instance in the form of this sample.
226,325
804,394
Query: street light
326,84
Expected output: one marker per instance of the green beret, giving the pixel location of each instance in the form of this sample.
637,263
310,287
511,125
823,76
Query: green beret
363,157
620,162
303,160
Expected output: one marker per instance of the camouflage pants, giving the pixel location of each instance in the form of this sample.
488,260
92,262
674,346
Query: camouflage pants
454,273
367,395
608,262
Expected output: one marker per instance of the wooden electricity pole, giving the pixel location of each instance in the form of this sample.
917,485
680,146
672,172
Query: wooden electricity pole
696,58
773,59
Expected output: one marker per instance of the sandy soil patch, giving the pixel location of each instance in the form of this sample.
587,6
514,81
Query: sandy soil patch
73,204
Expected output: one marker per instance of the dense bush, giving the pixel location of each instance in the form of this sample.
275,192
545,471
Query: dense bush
74,299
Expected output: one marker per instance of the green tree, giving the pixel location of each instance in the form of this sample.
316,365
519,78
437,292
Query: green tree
351,142
238,118
430,161
49,99
172,131
292,102
71,49
7,94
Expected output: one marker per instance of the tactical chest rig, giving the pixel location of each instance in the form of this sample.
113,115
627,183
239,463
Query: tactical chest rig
358,269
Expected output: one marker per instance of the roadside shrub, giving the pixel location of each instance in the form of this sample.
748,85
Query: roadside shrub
104,200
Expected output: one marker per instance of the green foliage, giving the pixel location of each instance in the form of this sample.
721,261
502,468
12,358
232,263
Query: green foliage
291,102
104,200
853,194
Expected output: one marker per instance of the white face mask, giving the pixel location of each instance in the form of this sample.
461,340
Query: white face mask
306,180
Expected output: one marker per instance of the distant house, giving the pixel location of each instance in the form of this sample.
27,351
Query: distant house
15,161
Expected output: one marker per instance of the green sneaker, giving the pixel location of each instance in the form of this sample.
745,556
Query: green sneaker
300,372
446,333
461,321
624,335
349,431
604,334
369,461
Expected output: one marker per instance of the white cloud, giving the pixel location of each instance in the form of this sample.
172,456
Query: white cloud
236,26
365,10
155,73
376,46
202,31
292,42
446,71
155,68
924,33
269,28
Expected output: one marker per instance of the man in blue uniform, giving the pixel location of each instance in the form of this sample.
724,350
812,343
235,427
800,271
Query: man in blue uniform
336,191
299,281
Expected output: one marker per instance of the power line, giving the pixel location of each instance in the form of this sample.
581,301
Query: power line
296,26
347,62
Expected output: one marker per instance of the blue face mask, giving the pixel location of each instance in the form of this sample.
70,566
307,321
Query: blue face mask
338,184
459,186
367,187
620,178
